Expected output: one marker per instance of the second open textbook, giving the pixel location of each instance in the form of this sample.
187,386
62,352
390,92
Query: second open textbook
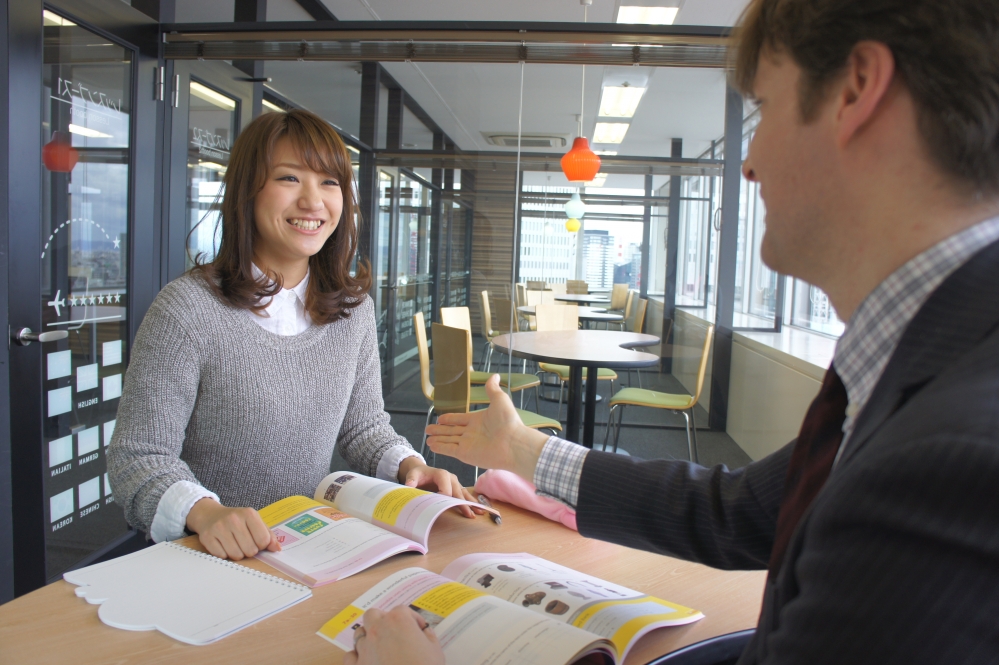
498,609
352,522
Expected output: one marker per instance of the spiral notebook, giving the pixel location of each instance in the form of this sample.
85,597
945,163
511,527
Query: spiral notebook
188,595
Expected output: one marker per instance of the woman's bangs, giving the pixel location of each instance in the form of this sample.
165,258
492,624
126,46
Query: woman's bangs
320,152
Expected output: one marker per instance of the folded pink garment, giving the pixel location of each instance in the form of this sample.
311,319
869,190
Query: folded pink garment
511,488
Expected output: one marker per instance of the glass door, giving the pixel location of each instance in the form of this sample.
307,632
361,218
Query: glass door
86,219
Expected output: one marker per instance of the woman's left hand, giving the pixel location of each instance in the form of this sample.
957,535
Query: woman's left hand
414,473
397,636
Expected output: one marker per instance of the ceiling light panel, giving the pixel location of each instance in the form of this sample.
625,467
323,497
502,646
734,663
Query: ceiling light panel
620,101
610,132
647,15
212,97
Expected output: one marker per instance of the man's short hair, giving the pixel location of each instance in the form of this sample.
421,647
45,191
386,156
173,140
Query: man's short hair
946,54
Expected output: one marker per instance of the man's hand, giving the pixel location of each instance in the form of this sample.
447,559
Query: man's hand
414,473
493,438
230,533
394,637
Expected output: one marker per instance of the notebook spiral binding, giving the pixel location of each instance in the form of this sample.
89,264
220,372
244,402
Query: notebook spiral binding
245,569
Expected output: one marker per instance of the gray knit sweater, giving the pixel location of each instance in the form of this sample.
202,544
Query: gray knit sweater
210,397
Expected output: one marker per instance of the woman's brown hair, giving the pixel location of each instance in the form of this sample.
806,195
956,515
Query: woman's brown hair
332,290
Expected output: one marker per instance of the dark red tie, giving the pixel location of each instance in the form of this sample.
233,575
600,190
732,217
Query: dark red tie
811,462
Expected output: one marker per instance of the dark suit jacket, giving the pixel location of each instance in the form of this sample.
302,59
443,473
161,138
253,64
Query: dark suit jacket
897,560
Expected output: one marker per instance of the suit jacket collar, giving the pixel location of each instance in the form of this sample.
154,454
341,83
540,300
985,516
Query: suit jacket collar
956,317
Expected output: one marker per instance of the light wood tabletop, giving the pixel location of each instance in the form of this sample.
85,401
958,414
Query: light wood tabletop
52,625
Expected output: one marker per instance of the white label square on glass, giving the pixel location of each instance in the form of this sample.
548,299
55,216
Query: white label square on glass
107,486
60,450
61,505
90,491
108,431
86,377
60,401
112,387
112,353
59,364
88,441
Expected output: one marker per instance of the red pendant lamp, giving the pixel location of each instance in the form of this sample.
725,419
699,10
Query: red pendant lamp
580,164
59,155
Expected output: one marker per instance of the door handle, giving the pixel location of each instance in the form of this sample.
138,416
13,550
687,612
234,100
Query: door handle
25,336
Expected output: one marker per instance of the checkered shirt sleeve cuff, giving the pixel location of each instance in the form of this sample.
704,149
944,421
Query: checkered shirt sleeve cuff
559,470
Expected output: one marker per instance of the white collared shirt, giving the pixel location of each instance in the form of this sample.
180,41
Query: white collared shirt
284,315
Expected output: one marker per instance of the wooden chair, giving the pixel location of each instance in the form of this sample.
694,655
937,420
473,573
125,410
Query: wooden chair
557,289
535,285
459,317
488,332
452,390
682,404
577,287
563,317
619,298
635,322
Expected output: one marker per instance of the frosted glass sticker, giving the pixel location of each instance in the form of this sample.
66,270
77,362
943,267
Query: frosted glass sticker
60,450
88,441
60,401
86,377
112,387
59,364
108,431
112,353
90,491
61,505
107,486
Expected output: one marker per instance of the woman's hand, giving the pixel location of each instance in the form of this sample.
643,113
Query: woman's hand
230,533
414,473
493,438
393,638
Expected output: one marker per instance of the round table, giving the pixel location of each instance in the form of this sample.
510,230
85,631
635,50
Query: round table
580,349
582,299
585,314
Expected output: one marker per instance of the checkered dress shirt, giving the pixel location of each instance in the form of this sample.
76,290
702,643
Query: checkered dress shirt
862,353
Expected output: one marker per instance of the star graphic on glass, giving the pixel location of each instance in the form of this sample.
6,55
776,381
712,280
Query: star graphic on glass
92,300
72,301
117,297
117,243
100,300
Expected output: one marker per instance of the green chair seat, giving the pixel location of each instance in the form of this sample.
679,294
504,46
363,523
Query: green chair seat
650,398
536,421
562,371
513,381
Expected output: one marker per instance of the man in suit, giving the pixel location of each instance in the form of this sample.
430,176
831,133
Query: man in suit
877,153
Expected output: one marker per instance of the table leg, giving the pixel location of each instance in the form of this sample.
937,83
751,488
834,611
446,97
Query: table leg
591,406
574,399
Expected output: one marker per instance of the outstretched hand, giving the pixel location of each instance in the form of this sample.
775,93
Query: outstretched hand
492,438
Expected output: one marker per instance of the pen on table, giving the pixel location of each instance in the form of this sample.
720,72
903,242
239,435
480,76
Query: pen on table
484,500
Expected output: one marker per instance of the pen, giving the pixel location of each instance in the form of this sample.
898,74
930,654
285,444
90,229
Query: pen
484,500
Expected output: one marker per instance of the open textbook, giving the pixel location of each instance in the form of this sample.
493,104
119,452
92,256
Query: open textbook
516,608
353,522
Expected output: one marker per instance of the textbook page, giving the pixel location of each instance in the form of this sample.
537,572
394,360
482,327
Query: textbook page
407,511
473,628
320,544
614,612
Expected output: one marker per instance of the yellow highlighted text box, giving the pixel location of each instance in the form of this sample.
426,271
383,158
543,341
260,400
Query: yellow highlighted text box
390,506
446,598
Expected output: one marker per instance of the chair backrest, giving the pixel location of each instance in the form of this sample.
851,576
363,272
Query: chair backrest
456,317
452,358
557,289
504,315
487,317
535,298
702,369
619,296
557,317
629,303
521,298
420,326
536,285
577,287
636,321
548,298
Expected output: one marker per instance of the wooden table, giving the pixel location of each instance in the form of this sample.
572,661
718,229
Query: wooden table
594,314
52,625
582,299
580,349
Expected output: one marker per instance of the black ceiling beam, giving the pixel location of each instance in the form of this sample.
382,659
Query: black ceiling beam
317,10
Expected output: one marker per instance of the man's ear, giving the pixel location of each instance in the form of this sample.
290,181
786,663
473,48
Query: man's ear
869,72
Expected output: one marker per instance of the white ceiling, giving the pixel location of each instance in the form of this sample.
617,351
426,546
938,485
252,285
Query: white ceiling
467,100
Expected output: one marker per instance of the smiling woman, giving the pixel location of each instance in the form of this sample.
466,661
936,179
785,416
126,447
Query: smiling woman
251,369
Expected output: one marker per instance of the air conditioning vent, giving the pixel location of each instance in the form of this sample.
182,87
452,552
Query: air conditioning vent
526,140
